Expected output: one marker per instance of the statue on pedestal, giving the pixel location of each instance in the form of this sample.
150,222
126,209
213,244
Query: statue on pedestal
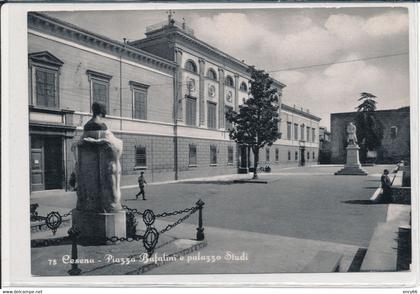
98,174
351,134
98,139
352,165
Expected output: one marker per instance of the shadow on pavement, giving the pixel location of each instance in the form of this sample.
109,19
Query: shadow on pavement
209,182
371,188
359,201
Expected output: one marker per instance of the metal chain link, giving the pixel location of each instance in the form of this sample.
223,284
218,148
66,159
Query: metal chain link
132,210
171,226
48,242
176,212
128,239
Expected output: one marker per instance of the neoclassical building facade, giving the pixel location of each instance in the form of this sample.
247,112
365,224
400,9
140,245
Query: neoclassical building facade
166,97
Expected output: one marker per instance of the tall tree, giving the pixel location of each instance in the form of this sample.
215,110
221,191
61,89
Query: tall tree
256,123
369,128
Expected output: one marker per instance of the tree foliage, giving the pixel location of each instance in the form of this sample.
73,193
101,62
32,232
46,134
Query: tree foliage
369,128
256,123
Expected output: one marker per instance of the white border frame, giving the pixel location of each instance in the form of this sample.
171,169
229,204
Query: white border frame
16,267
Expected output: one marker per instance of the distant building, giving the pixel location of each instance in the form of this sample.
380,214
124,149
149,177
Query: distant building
166,96
324,135
395,142
324,146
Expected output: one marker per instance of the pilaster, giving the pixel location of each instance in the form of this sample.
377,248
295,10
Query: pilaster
236,98
221,98
178,85
201,64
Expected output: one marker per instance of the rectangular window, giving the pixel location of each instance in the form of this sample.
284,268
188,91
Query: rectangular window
308,130
228,124
211,115
289,155
267,154
307,155
296,155
302,132
46,88
289,131
277,154
191,111
230,155
192,155
139,102
141,156
100,92
295,132
213,154
313,134
99,88
313,155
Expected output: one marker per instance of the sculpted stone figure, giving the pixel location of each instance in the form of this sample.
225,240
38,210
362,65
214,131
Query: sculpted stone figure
98,169
351,134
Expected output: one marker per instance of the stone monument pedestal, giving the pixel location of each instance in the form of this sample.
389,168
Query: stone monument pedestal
95,227
352,166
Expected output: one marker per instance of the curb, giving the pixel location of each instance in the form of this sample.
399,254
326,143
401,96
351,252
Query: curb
148,267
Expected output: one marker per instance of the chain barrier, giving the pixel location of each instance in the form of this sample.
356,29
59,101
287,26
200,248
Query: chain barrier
150,238
132,210
53,220
121,239
171,226
176,212
49,242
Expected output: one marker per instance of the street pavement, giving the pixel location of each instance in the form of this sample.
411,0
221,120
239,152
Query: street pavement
298,212
308,203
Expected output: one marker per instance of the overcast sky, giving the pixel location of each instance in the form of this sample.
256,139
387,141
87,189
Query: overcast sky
277,40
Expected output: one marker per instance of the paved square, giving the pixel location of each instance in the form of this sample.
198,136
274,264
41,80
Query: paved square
307,203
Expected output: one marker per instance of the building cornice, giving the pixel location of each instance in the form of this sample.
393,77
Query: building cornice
300,112
53,26
222,57
177,35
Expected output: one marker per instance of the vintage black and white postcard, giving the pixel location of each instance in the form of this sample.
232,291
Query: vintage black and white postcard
206,140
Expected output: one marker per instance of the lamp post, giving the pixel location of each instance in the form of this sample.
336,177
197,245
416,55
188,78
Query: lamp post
302,152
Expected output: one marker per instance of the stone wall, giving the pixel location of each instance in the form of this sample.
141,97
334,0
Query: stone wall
160,157
203,167
392,149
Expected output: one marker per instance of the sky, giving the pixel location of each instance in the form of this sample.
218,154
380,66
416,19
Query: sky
289,44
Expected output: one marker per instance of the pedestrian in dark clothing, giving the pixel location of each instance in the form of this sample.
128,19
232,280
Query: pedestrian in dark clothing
386,185
142,182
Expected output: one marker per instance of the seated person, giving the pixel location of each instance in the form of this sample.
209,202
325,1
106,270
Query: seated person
386,185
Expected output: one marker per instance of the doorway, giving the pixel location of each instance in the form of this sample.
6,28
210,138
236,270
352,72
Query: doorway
302,156
47,171
243,159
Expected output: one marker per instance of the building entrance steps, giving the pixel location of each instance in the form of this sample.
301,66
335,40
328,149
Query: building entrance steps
324,261
242,252
382,252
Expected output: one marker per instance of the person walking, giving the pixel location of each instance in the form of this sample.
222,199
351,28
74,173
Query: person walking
142,182
386,187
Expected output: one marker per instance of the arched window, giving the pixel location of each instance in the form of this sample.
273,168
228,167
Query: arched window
243,87
190,66
229,81
211,74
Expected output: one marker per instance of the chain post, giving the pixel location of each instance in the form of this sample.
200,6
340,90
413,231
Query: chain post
200,229
74,234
